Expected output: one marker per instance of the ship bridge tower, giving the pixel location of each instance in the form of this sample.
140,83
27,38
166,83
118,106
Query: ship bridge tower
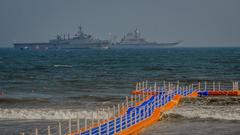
137,33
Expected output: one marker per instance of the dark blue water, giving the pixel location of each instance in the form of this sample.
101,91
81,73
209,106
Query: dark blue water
55,84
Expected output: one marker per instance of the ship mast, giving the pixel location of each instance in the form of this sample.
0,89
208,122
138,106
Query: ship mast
80,33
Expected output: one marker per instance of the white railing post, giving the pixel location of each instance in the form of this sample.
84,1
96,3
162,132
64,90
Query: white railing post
147,108
143,94
155,87
78,126
126,120
108,123
114,124
92,119
85,124
127,101
159,99
131,118
36,131
163,99
131,100
69,126
192,88
178,87
139,97
213,85
49,130
232,85
137,86
99,129
144,112
143,86
135,115
205,85
237,86
169,86
199,86
118,109
164,85
59,128
151,109
146,84
180,90
114,119
219,85
135,99
114,111
120,123
98,118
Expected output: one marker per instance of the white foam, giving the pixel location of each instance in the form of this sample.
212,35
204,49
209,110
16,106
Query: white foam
214,112
17,113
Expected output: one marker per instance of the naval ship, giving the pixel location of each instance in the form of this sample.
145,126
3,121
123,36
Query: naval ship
79,41
134,40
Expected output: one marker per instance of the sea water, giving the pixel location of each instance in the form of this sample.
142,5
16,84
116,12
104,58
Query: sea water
41,88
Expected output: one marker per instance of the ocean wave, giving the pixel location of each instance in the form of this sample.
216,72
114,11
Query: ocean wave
214,108
96,98
50,114
205,114
18,100
218,101
64,66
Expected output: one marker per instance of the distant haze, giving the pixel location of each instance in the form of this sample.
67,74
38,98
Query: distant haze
197,22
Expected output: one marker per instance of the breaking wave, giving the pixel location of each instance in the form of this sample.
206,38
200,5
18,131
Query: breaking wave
49,114
220,108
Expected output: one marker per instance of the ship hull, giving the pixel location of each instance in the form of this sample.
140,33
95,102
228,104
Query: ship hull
82,46
49,46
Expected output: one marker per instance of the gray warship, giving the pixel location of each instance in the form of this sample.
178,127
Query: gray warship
134,40
79,41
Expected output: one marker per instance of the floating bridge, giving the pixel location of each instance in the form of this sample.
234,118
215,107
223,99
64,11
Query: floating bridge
146,105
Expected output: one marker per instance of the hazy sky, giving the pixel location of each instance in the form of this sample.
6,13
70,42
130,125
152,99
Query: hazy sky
197,22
